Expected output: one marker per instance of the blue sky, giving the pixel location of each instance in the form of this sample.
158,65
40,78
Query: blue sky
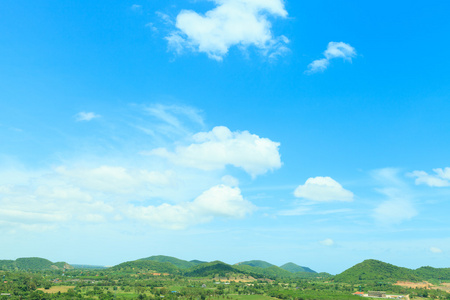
313,132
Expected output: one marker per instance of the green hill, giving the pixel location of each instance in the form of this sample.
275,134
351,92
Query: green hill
256,263
179,263
33,264
142,265
293,268
428,273
375,270
212,269
197,262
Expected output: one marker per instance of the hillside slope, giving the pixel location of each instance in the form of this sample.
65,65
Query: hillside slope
293,268
33,264
375,270
255,263
179,263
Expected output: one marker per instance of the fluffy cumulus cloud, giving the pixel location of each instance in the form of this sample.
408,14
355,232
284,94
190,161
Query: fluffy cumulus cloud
109,193
122,188
441,178
218,201
323,189
219,147
86,116
241,23
334,50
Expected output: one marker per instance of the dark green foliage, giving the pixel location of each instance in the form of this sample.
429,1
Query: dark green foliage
179,263
211,269
75,266
256,263
32,263
428,273
272,272
197,262
146,265
293,268
375,270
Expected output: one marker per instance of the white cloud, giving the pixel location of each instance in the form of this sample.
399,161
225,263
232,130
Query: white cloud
323,189
435,250
151,26
394,211
327,242
218,201
86,116
136,8
334,50
230,180
398,206
241,23
164,17
174,119
440,179
219,147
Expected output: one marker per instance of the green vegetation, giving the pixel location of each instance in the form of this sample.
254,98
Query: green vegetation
430,273
256,263
293,268
32,264
179,263
375,270
168,278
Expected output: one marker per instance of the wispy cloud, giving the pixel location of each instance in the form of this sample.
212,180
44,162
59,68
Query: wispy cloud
241,23
136,8
398,206
435,250
86,116
334,50
441,178
327,242
111,187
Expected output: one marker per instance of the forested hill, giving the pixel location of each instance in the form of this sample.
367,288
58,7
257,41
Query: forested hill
179,263
428,273
33,264
256,263
375,270
291,267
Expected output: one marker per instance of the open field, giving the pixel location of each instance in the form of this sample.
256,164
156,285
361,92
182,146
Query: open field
56,289
425,285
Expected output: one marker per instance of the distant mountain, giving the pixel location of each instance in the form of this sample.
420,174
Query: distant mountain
33,264
291,267
256,263
375,270
179,263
